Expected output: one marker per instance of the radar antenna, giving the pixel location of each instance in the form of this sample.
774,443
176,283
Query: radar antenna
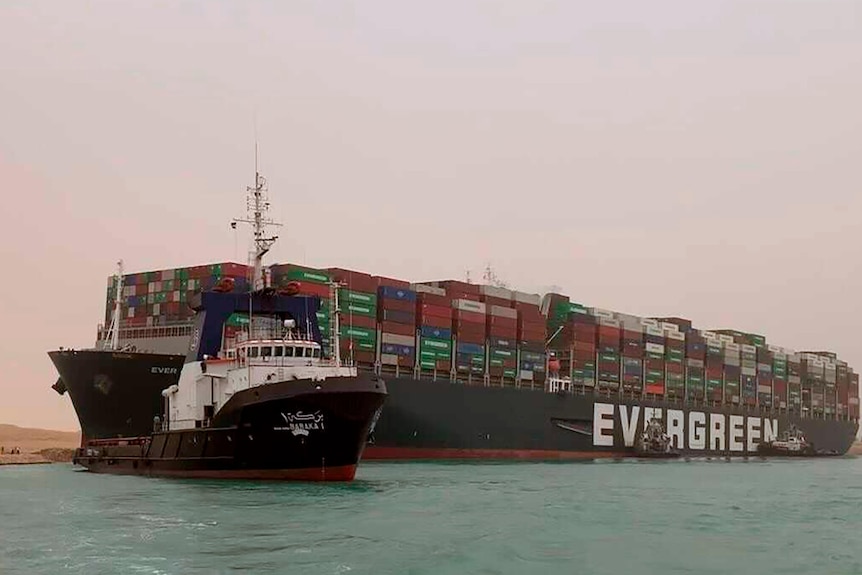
112,337
257,204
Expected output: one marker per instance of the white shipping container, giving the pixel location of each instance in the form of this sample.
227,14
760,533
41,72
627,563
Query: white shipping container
669,327
764,389
649,322
398,339
157,309
651,330
605,313
710,335
130,313
176,295
731,347
725,338
695,362
193,284
526,375
608,322
468,305
774,348
793,358
422,288
501,311
654,348
749,371
748,348
388,358
152,287
529,298
676,336
494,291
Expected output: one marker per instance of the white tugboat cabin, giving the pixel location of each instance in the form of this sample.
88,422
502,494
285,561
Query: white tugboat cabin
247,362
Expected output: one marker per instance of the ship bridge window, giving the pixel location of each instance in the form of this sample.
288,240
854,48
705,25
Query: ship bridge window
308,352
288,351
252,352
278,351
266,351
316,352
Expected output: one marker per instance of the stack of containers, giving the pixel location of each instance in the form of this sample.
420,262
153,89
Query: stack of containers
501,323
853,396
309,281
468,327
633,349
830,378
674,359
794,382
434,318
655,365
584,349
813,371
842,389
396,312
714,367
531,333
765,378
358,321
779,377
749,374
609,344
695,362
732,369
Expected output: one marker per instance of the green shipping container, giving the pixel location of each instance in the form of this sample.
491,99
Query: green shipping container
508,373
358,309
502,353
160,298
237,320
358,333
495,362
168,285
434,355
436,344
314,276
368,299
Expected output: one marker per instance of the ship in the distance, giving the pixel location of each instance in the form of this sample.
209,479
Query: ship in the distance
483,371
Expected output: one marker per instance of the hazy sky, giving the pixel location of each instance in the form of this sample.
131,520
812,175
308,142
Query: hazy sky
690,158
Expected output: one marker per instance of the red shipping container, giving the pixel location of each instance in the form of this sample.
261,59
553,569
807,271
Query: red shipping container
231,270
532,325
395,304
654,388
356,281
672,367
490,300
510,363
435,321
397,328
468,327
456,285
435,311
406,361
470,337
311,288
502,331
359,321
633,352
434,300
468,316
528,311
584,354
532,335
457,294
391,282
497,320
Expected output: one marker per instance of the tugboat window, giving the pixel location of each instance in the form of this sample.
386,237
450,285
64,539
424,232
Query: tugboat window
279,350
308,352
288,351
316,352
252,352
266,351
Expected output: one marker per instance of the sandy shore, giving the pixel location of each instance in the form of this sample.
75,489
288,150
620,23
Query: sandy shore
37,445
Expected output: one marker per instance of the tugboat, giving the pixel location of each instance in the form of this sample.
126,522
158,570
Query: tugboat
654,442
261,405
791,443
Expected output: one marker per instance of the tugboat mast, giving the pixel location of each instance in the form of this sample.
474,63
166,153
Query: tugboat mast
257,205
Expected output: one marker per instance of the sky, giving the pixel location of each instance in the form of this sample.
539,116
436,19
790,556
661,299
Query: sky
698,159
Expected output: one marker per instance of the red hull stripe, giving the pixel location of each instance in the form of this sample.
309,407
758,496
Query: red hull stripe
379,453
339,473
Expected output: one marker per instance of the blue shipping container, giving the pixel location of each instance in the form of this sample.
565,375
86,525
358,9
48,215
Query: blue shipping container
396,293
471,348
436,332
402,350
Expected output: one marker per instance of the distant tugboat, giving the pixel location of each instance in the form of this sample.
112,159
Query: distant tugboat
654,442
260,405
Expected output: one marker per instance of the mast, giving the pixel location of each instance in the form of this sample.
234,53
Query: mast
112,338
257,205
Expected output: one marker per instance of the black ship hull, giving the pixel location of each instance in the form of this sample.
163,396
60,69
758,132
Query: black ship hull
293,430
428,419
114,393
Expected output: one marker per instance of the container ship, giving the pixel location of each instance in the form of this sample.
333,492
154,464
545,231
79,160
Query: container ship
482,371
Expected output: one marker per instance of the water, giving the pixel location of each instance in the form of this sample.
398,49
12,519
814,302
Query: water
708,517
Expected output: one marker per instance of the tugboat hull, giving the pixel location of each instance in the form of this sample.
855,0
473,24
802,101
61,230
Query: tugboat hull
293,430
